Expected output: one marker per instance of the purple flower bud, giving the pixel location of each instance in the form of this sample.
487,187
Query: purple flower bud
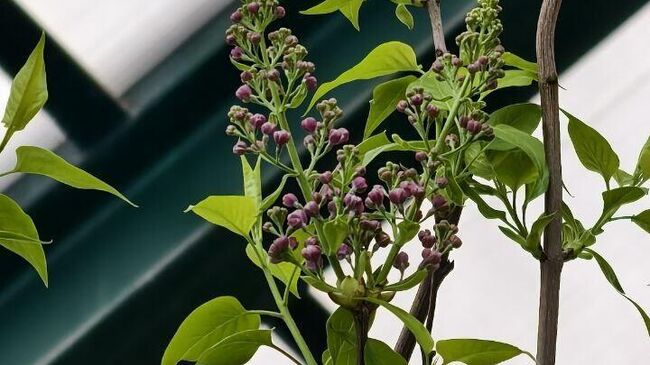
253,7
420,156
236,17
457,62
462,121
438,201
370,225
474,126
311,252
375,197
293,243
473,68
314,265
483,60
245,76
309,124
244,93
273,75
310,82
327,192
416,100
268,128
239,148
359,184
289,200
280,12
297,219
231,40
331,207
338,136
312,241
442,182
455,241
325,177
432,111
353,203
437,66
257,120
312,209
236,53
382,239
343,251
431,258
402,105
401,261
397,196
427,239
281,137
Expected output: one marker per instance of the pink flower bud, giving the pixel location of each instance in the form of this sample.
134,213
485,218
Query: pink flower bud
281,137
338,136
297,219
280,12
244,93
257,120
236,17
359,184
239,148
401,262
397,196
268,128
289,200
236,53
309,124
253,7
325,177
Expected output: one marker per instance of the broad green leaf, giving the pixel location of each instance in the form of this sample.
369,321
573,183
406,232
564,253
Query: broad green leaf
349,8
404,15
644,160
28,91
421,334
236,349
384,99
319,284
372,143
513,236
410,282
441,92
530,145
592,149
483,207
537,188
610,275
379,353
622,178
326,358
16,223
252,180
235,213
477,352
385,59
406,230
524,117
477,162
643,220
206,326
341,337
286,272
273,197
513,168
614,199
513,60
335,232
39,161
536,231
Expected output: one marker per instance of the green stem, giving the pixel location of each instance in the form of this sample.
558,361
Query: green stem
440,139
266,313
288,355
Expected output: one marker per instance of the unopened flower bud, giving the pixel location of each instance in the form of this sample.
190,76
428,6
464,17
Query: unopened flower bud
245,76
451,140
370,225
297,219
416,100
483,60
253,7
397,196
257,120
236,16
231,40
455,241
239,148
311,252
401,262
325,177
375,197
312,209
310,82
280,12
338,136
343,252
420,156
473,68
353,203
438,201
254,37
309,124
442,182
281,137
437,66
474,126
432,111
244,93
359,184
289,200
382,239
312,241
457,62
236,53
402,105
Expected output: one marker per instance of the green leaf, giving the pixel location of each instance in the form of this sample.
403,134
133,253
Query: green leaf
286,272
530,145
610,275
39,161
28,91
644,160
421,334
406,230
326,358
341,337
384,99
252,180
335,232
477,352
439,90
622,178
273,197
614,199
206,326
513,236
513,78
524,117
404,15
349,8
410,282
513,60
513,168
592,149
385,59
643,220
372,143
16,223
235,213
379,353
477,161
483,207
536,230
236,349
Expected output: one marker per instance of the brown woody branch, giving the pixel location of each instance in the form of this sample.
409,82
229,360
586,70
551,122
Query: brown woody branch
433,6
551,264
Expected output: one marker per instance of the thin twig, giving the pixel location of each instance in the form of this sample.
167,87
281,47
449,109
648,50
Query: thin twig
433,6
551,264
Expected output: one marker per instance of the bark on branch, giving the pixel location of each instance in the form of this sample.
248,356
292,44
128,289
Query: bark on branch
551,264
433,6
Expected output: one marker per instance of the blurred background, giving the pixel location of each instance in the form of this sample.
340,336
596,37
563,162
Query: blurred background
139,90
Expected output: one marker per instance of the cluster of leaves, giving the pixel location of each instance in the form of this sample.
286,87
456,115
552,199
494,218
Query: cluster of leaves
28,96
462,153
350,9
